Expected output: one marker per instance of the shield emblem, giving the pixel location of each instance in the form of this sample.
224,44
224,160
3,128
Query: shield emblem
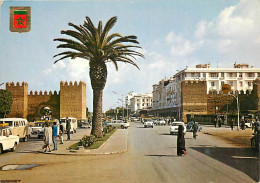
20,19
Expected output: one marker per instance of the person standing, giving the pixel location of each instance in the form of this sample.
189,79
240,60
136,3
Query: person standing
195,129
54,135
232,124
68,127
181,141
60,134
47,136
215,123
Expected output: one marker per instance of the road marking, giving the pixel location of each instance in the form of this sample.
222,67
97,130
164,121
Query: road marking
243,157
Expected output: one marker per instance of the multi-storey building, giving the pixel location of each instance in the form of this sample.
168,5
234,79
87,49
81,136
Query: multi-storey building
141,102
70,101
192,90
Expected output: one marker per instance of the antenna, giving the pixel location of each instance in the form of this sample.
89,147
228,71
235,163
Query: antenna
217,63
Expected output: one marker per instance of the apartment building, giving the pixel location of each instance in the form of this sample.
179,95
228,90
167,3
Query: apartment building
168,96
141,102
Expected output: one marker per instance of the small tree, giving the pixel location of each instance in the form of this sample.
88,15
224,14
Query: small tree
6,102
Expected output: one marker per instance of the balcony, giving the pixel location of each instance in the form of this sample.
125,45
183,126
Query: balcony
250,78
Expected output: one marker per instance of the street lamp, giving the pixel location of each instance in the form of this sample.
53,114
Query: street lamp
122,100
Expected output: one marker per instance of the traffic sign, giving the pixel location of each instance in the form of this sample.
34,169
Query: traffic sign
226,88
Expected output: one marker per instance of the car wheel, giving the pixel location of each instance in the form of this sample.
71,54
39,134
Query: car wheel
122,126
253,144
75,131
1,149
13,149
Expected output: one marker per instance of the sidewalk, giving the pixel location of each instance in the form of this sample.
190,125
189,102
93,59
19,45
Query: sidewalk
235,137
117,143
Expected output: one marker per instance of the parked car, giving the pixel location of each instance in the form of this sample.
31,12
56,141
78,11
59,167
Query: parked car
175,125
190,126
118,123
148,124
83,123
7,140
38,127
18,126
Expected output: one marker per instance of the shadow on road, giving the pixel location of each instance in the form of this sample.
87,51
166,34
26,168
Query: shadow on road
242,159
161,155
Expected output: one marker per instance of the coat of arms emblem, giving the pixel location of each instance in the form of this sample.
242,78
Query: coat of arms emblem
20,19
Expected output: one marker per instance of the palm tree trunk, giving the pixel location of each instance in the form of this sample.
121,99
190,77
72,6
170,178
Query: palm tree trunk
97,113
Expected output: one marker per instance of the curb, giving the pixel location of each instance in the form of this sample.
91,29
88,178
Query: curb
87,152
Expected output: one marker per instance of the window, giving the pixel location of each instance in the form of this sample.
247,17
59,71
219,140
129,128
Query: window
192,74
240,75
249,83
222,74
213,75
143,100
212,83
230,74
204,75
222,83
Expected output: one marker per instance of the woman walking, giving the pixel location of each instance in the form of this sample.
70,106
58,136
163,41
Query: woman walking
47,136
181,141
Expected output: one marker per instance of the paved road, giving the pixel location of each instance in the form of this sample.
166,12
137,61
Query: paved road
151,157
208,159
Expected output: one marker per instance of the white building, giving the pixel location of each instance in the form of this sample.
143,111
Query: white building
167,93
141,102
240,78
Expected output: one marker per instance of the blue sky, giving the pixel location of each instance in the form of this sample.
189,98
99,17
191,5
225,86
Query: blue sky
172,34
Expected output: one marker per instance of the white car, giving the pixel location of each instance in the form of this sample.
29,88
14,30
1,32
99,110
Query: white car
175,125
7,141
118,123
148,124
162,122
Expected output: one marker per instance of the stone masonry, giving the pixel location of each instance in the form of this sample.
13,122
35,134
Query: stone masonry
70,101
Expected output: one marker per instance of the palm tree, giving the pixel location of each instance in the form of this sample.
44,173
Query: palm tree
96,46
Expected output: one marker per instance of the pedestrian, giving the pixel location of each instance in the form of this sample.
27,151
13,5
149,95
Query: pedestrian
181,141
195,129
68,127
60,134
47,137
257,125
54,136
232,124
242,124
215,123
219,122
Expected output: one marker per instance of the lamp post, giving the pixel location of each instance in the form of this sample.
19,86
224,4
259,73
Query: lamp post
122,100
226,89
236,97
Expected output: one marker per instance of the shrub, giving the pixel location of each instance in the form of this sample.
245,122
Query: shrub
87,141
108,129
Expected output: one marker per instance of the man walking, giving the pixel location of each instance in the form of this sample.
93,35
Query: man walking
68,127
54,135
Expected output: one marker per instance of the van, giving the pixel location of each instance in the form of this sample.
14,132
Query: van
18,126
73,124
38,127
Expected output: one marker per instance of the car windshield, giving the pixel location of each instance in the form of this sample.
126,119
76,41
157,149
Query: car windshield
9,122
39,124
176,124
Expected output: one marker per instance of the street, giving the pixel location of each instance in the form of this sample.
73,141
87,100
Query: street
151,157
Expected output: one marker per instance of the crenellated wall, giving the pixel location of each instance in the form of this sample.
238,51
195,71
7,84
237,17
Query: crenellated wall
70,101
38,100
194,98
73,99
20,99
